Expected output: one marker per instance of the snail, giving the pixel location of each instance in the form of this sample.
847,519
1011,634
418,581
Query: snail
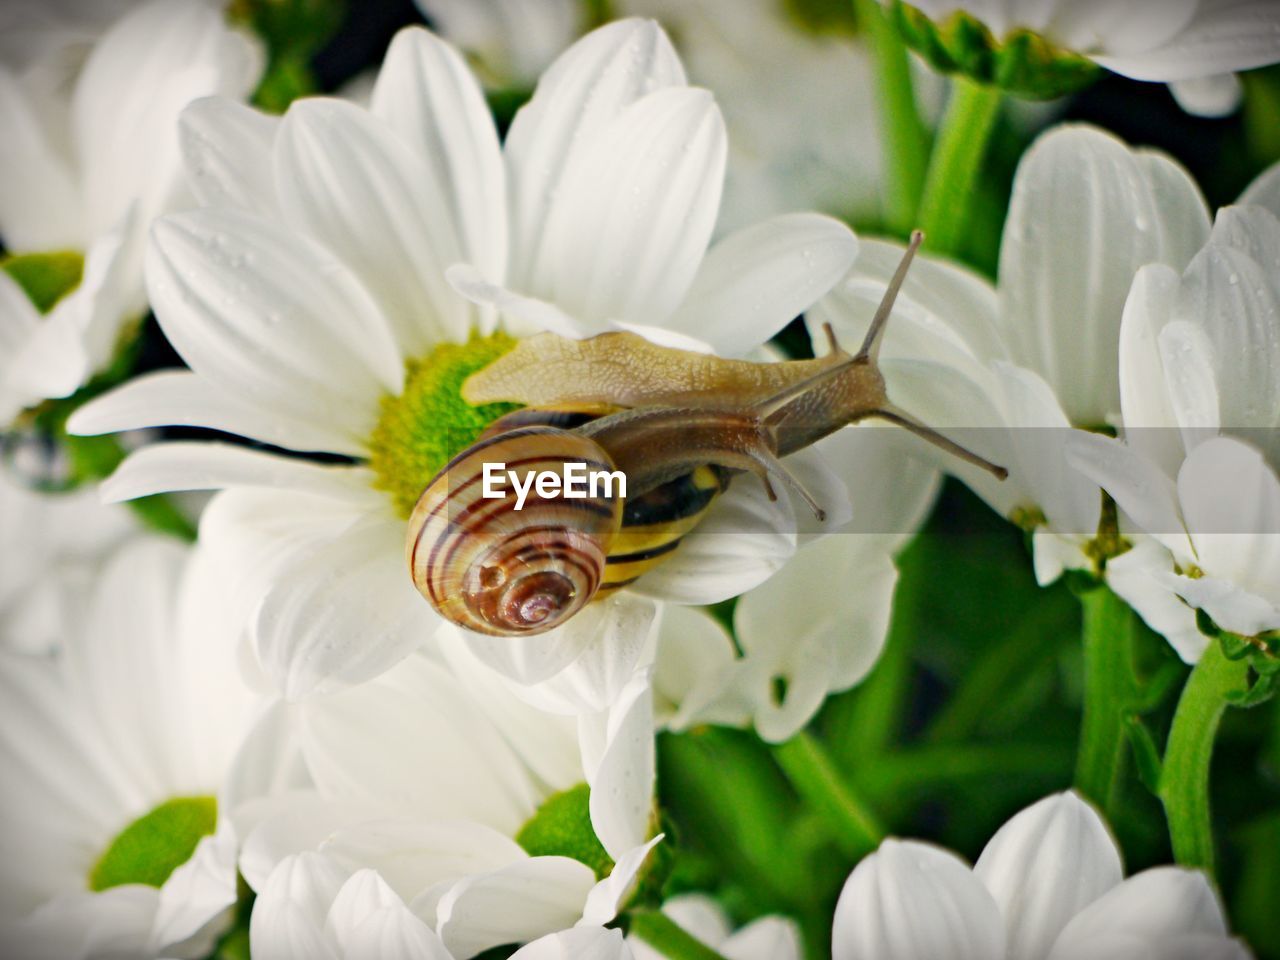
677,425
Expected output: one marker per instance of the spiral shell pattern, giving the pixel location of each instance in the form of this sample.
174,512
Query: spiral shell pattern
491,568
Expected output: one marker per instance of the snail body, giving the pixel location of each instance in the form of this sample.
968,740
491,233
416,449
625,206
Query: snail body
677,424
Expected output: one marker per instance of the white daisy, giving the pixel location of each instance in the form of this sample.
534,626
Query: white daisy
84,167
480,818
798,105
51,547
1048,885
309,299
1194,45
1034,357
1200,386
115,751
313,906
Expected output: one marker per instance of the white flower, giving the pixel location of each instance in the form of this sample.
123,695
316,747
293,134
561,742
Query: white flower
817,626
83,173
51,547
1194,45
424,778
1200,384
1048,886
511,41
798,106
115,751
768,938
313,907
34,32
316,271
1027,361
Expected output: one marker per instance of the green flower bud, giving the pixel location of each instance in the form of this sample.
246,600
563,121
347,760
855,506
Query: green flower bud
1023,62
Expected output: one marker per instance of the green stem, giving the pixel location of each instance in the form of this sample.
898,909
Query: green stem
947,764
1108,691
672,941
903,135
1003,665
1184,780
956,162
805,762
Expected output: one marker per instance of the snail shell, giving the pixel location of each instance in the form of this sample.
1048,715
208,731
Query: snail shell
493,569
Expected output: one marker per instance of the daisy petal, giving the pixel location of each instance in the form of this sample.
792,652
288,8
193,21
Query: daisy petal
743,540
40,203
525,315
633,219
181,398
1156,908
755,281
769,938
112,923
581,943
618,758
1044,865
542,656
350,182
271,317
289,913
913,901
1265,190
1149,421
795,629
595,680
693,667
127,99
368,921
1140,578
416,855
426,93
198,891
1212,96
342,612
456,763
226,149
185,465
547,743
607,897
589,85
1138,485
1225,36
1112,210
517,903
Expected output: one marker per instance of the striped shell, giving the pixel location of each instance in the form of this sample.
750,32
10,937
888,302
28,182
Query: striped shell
493,569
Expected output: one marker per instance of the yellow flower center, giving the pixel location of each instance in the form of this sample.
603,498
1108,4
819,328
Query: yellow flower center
419,431
156,844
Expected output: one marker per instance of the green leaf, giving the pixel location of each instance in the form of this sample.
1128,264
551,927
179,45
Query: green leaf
1260,691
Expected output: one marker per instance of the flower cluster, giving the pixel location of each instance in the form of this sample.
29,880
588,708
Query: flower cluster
240,342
